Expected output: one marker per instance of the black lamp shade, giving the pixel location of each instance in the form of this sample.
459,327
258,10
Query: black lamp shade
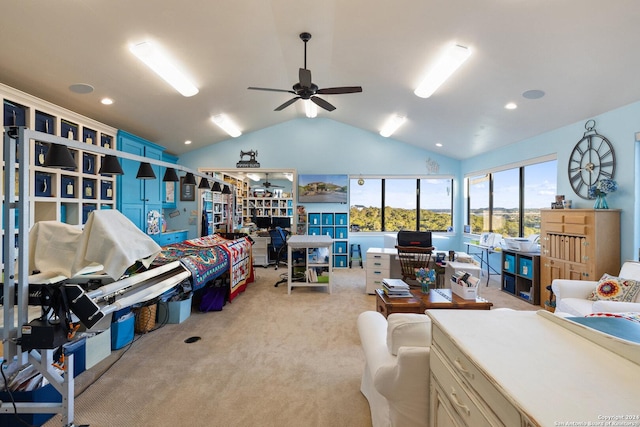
59,156
170,175
216,187
110,166
204,183
190,179
145,171
226,190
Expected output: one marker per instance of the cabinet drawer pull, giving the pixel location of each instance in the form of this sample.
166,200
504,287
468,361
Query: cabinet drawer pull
454,399
462,368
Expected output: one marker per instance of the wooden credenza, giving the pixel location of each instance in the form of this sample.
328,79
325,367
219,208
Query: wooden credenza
525,368
578,244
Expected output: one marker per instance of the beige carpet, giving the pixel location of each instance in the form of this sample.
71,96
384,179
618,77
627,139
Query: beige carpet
267,359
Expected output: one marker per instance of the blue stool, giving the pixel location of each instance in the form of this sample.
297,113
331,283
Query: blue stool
355,254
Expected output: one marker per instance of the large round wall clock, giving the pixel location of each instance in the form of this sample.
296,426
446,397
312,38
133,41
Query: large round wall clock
592,159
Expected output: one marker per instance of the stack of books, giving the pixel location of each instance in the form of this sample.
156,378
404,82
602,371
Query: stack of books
395,288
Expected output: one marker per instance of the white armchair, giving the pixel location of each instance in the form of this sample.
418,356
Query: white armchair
395,380
571,295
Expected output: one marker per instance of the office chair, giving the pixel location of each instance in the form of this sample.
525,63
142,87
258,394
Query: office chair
278,246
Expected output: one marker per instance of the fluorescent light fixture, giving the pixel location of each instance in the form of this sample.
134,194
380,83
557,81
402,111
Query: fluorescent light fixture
155,59
452,59
226,125
253,176
392,125
310,109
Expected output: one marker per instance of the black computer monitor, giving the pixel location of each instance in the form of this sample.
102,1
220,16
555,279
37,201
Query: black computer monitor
263,222
282,222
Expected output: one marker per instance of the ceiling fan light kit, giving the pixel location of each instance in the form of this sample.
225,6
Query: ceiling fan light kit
305,89
449,62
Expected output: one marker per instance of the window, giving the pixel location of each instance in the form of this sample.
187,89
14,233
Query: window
508,201
393,204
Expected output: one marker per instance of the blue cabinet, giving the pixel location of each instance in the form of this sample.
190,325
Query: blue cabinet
139,196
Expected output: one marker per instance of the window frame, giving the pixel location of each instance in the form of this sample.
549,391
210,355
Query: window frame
417,178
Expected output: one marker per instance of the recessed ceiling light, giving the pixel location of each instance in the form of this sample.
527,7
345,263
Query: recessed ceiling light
533,94
107,101
81,88
187,142
511,106
438,144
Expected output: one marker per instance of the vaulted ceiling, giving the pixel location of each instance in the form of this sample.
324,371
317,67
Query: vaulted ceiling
582,54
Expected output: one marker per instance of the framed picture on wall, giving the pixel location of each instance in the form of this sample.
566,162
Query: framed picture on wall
187,191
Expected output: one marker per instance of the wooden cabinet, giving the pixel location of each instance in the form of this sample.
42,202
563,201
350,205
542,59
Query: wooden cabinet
139,196
520,275
579,244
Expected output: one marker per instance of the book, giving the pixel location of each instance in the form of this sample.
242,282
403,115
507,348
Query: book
395,284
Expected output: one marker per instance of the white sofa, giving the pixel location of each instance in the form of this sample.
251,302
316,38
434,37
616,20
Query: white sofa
571,295
395,380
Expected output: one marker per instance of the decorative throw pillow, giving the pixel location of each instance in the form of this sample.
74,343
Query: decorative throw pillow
613,288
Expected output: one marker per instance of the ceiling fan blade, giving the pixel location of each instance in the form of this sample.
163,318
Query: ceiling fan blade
339,90
286,104
271,90
322,103
305,77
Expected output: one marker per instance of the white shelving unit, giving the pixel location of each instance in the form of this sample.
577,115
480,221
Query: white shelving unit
323,263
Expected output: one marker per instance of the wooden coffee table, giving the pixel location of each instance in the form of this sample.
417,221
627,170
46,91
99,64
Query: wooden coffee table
419,302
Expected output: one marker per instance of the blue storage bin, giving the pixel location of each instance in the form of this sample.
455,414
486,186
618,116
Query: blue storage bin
509,284
340,247
341,219
340,261
526,267
174,311
44,394
327,219
314,219
67,186
314,231
106,141
327,231
42,184
78,349
122,332
509,263
341,233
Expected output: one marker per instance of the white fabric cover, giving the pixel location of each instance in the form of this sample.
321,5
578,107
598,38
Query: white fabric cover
108,238
397,387
571,295
407,329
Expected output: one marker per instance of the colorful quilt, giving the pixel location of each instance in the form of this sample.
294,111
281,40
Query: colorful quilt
205,264
239,256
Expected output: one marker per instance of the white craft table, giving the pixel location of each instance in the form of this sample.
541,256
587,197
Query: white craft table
307,242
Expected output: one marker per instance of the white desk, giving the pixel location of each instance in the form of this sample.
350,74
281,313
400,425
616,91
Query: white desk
306,242
485,251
